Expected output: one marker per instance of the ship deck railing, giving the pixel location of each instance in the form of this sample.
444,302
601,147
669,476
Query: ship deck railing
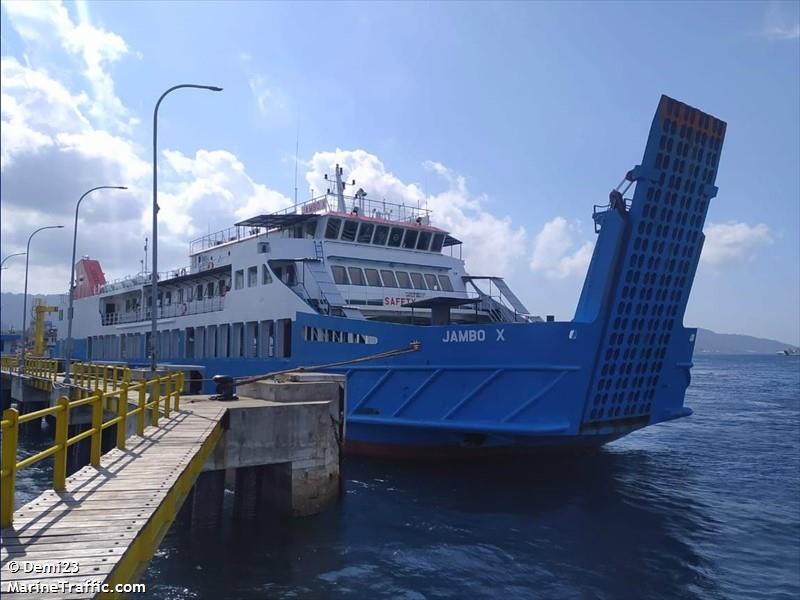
176,309
133,282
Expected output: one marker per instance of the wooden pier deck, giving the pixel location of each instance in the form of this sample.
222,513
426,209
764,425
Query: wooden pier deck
106,524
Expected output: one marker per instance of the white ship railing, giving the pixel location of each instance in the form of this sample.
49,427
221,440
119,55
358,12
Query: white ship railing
181,309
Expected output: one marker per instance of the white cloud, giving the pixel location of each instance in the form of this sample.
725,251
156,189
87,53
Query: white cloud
268,99
211,188
490,243
731,243
42,23
781,21
553,252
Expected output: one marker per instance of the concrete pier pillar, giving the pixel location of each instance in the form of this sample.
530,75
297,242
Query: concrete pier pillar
246,496
275,488
205,500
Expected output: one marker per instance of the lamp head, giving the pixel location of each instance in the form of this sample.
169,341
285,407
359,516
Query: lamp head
215,88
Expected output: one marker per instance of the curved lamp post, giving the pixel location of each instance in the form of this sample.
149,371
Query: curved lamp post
25,294
68,365
154,280
2,262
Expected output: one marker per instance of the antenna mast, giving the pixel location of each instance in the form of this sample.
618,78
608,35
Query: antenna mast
296,150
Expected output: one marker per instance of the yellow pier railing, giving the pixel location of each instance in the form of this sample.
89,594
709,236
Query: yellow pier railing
111,387
42,371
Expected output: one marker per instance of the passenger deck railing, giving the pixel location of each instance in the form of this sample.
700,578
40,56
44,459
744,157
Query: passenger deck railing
100,386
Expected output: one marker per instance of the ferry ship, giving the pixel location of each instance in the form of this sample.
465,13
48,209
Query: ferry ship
345,276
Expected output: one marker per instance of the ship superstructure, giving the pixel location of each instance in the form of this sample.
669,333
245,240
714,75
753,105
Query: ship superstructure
342,276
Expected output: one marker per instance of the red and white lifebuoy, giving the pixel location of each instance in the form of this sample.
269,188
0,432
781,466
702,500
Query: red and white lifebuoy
184,308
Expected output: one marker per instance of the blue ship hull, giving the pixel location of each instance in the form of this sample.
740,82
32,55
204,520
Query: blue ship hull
622,363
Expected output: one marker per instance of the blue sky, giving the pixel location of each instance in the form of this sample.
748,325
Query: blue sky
514,118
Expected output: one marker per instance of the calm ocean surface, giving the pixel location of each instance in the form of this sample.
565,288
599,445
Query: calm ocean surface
707,507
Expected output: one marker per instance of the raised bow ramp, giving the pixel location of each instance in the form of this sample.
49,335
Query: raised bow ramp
642,271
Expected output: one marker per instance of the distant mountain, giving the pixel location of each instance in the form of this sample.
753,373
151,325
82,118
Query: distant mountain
11,308
732,343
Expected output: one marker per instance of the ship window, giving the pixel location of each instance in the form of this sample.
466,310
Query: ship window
389,280
332,228
209,291
365,233
356,276
263,247
169,297
395,237
372,277
381,233
340,275
238,279
252,276
199,292
410,241
416,279
444,280
403,280
424,240
431,281
180,296
349,231
221,287
438,240
266,277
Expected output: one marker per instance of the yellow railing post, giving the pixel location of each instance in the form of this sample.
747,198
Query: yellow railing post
178,389
155,400
97,429
122,412
8,464
167,394
105,378
61,436
142,401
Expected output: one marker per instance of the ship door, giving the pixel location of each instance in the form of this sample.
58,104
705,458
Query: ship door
285,333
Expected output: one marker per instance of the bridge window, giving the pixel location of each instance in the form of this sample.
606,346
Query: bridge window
424,240
266,276
410,241
252,276
340,275
209,290
332,229
373,278
419,283
444,280
349,231
169,297
365,233
395,237
389,280
198,292
404,280
430,279
438,241
238,279
356,276
381,234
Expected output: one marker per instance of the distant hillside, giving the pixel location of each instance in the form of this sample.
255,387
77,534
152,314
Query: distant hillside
11,308
732,343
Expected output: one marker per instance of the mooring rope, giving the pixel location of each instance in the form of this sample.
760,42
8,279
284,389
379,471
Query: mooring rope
412,347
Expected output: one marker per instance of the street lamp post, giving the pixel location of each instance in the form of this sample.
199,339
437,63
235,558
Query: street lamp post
154,279
2,262
68,365
25,294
